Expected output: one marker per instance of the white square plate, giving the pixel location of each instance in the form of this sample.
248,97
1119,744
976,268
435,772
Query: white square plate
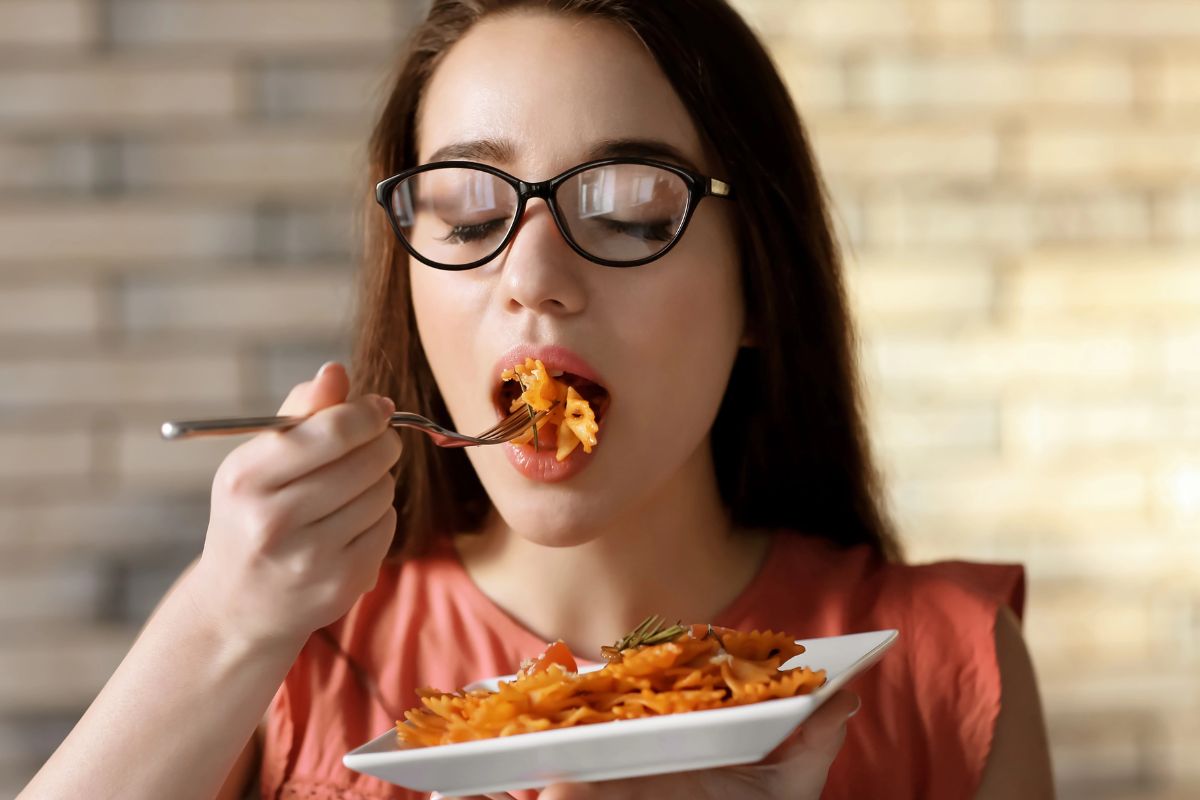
622,748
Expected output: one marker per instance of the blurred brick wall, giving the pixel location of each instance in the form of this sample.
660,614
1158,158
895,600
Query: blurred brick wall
1018,186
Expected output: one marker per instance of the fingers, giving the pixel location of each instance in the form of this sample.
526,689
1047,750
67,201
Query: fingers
575,791
337,484
328,435
834,712
367,551
671,786
337,529
372,544
329,388
273,459
821,735
269,460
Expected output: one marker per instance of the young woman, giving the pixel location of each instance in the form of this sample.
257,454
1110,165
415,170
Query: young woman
624,191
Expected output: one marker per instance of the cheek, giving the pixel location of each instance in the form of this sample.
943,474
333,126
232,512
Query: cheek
442,305
688,325
429,302
700,333
698,307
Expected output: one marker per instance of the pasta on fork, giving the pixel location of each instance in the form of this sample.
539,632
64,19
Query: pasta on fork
572,418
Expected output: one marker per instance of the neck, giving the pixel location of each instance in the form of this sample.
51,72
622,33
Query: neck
676,555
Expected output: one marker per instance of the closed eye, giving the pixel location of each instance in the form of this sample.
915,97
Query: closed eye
463,234
660,231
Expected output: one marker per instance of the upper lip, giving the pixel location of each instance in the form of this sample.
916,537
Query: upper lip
555,357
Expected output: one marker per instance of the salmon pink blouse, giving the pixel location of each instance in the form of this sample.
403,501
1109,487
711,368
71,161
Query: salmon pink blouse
929,706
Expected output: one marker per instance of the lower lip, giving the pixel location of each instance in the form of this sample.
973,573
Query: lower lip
542,465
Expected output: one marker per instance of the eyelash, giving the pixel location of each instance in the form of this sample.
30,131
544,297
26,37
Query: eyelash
462,234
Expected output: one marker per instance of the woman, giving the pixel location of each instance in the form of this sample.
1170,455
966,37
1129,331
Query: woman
700,303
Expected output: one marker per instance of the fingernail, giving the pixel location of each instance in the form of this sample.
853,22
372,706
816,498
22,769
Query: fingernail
385,405
857,706
325,367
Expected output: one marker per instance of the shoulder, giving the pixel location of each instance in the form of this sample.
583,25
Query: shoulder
857,587
947,602
947,615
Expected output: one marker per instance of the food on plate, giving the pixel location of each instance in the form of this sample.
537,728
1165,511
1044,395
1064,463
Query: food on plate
652,671
571,414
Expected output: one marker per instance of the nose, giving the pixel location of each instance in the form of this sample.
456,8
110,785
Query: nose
540,271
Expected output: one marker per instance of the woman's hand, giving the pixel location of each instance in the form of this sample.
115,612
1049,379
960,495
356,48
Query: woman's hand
301,519
795,770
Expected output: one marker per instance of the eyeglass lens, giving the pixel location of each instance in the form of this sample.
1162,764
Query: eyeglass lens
615,212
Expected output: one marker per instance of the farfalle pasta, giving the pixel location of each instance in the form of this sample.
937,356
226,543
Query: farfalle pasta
570,413
687,669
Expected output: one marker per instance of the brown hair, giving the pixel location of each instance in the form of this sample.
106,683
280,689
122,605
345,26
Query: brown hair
789,443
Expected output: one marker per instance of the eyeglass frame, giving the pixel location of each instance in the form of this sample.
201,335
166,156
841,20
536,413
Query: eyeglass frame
699,186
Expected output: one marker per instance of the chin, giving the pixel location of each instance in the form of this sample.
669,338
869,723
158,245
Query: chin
567,523
589,505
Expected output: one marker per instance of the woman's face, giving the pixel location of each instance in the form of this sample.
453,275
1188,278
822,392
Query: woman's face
546,92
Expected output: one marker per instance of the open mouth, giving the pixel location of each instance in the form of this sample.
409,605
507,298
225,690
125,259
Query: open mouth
507,393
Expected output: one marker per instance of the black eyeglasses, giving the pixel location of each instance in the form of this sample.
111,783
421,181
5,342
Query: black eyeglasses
619,212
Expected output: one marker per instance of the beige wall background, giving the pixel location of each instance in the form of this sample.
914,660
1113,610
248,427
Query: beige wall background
1018,187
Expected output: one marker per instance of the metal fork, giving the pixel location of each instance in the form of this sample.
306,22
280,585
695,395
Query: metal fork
505,430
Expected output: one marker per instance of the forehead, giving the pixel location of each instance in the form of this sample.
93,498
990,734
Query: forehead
552,85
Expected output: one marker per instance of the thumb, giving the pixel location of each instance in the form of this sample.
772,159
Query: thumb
328,388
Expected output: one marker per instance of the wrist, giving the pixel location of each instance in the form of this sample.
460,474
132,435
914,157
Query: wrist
239,642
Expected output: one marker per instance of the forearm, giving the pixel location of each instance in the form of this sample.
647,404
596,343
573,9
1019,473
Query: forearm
174,716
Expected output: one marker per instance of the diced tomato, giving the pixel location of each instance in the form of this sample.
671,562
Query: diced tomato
557,653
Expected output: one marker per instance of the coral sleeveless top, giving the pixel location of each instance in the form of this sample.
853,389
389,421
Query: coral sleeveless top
928,707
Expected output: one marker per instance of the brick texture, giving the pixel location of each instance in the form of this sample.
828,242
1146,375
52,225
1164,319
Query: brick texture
1017,183
37,25
304,25
117,93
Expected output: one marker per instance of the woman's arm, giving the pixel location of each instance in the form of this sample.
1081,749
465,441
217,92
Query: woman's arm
300,523
245,769
174,717
1019,763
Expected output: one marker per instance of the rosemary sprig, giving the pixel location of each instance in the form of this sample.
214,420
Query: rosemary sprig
536,444
650,631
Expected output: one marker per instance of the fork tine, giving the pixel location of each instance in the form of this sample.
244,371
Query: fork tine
512,425
520,416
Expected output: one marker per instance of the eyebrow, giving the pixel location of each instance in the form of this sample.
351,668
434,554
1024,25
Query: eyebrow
499,151
502,151
641,148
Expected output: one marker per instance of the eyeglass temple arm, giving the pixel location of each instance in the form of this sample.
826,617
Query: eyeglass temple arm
718,188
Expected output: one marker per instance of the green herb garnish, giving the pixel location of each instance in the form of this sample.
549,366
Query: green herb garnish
649,632
532,418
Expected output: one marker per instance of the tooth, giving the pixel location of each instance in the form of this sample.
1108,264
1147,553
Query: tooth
556,373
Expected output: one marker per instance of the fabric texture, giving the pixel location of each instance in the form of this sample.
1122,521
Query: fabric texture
928,708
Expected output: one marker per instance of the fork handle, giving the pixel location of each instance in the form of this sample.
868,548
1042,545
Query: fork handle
190,428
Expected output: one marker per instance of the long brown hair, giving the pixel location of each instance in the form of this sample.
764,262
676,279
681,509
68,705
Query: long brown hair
789,442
